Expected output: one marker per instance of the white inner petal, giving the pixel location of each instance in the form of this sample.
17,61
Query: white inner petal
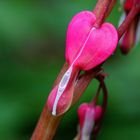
122,18
121,39
88,125
62,85
65,79
138,34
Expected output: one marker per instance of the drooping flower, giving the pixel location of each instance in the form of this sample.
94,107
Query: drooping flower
132,36
86,48
88,116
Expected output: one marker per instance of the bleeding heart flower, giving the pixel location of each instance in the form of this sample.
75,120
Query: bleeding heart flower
132,36
88,116
86,48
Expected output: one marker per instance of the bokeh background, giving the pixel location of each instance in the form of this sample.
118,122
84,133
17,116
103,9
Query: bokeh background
32,44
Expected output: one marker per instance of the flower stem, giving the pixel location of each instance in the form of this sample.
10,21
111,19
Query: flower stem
47,124
83,82
111,6
105,92
102,9
101,77
46,127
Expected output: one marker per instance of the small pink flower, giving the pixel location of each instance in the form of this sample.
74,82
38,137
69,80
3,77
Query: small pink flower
88,116
132,36
86,48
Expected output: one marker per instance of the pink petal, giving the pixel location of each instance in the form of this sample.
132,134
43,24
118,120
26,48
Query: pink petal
64,101
87,46
86,107
98,113
81,113
77,33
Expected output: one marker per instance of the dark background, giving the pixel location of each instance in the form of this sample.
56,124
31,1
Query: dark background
32,44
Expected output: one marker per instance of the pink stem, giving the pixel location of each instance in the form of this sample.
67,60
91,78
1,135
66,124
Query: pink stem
102,9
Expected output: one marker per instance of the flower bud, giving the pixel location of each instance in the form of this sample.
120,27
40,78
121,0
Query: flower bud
127,42
88,116
131,37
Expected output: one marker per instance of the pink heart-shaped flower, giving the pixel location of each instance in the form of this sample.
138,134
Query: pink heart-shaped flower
87,46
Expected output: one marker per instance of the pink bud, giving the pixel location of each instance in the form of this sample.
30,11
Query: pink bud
61,96
127,42
131,36
88,115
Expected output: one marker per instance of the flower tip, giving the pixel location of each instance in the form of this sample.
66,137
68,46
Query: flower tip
54,113
61,95
58,106
124,50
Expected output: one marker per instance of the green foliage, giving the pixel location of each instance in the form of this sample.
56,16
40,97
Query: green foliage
32,41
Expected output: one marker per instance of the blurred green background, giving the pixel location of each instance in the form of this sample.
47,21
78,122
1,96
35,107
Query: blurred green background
32,44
